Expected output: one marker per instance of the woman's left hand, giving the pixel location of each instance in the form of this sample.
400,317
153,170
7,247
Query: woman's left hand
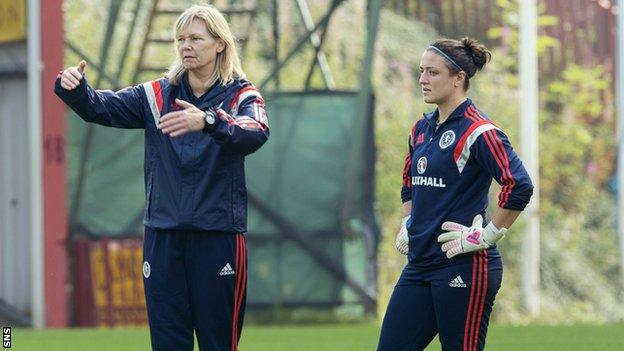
189,119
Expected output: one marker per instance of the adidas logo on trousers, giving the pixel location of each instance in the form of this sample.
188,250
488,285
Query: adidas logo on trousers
227,270
458,282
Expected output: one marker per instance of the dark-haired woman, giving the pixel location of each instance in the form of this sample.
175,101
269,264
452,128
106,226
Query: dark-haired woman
454,269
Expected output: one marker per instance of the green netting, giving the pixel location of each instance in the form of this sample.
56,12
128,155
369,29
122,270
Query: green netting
113,192
301,171
298,248
300,175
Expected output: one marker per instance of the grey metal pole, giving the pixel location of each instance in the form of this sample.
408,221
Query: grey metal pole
529,146
620,118
35,66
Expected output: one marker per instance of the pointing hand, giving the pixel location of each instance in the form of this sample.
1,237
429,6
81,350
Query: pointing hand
71,77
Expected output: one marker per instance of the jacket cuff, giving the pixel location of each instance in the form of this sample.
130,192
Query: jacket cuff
406,194
70,95
209,128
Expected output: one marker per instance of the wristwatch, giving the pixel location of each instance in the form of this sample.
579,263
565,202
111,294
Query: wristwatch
209,118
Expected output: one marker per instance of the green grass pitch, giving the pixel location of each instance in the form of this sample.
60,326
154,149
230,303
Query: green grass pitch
329,338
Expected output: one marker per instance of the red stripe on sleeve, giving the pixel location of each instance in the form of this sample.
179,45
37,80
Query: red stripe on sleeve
499,154
234,101
509,186
158,93
406,170
242,121
460,144
470,114
499,160
407,167
507,179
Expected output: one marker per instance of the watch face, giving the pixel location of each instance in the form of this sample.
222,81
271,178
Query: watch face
210,117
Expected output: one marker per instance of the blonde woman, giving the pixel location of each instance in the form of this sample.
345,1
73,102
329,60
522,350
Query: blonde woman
200,122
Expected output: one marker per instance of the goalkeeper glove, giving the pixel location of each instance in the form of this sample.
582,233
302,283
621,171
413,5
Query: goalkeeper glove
401,242
460,239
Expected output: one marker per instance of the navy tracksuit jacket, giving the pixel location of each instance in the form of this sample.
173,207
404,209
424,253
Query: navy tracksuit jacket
194,181
447,176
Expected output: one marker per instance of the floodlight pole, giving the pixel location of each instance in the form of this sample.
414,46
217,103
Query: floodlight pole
620,118
35,66
529,145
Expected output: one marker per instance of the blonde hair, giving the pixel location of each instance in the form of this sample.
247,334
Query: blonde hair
228,66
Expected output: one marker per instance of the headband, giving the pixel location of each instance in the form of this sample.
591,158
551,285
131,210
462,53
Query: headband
447,57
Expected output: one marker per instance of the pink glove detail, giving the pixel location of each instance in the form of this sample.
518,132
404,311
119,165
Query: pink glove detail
460,239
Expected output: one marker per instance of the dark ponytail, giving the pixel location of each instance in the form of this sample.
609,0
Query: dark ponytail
466,55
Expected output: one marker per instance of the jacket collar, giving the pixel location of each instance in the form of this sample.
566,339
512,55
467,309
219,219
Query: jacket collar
432,117
213,97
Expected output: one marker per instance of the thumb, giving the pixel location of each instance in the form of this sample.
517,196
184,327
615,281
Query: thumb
183,103
477,221
81,66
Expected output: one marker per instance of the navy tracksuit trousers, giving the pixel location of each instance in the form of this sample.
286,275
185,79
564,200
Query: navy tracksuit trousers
195,282
453,301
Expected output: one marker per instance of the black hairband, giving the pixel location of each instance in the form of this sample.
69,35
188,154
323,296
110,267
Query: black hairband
448,58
